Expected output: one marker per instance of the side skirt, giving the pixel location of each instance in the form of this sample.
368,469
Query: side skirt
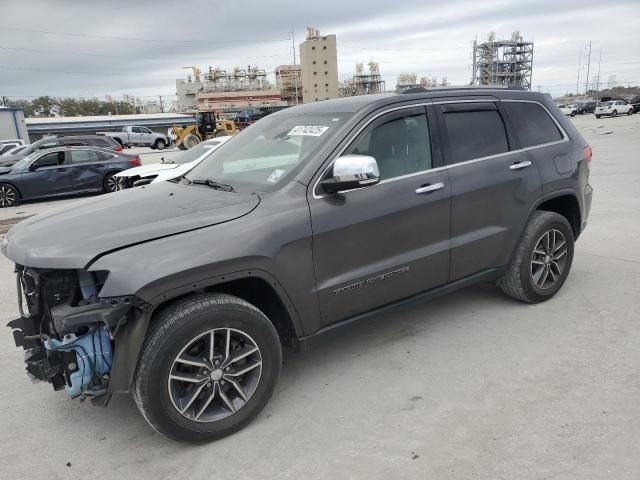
484,276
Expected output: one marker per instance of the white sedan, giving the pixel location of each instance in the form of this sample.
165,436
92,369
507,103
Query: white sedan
570,110
613,108
158,172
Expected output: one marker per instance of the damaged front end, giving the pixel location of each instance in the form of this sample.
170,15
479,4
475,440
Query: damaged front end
68,332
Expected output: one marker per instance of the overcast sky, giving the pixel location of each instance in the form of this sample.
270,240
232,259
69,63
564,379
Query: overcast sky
87,48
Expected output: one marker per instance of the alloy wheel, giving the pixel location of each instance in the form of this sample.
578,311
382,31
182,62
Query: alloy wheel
8,196
548,259
215,375
112,183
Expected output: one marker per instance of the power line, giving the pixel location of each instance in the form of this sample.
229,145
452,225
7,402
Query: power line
135,57
160,40
106,74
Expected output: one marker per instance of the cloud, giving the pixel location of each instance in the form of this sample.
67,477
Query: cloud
140,47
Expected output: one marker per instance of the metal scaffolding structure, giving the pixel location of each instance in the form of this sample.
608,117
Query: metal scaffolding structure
364,83
503,62
239,79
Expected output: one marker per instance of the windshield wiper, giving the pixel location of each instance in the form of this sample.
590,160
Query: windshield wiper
213,184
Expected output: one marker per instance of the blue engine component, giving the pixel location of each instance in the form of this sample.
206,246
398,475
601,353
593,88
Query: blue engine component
93,354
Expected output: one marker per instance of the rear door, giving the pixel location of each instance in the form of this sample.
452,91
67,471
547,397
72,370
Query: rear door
47,175
87,169
376,245
493,182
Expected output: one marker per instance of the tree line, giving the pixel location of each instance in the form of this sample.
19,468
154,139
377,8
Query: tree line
46,106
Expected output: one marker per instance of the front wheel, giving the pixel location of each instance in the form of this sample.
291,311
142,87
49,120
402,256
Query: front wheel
191,141
8,195
614,113
159,144
573,114
208,366
630,112
598,116
542,260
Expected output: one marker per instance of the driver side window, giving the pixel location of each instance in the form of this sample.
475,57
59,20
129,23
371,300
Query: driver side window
400,145
50,160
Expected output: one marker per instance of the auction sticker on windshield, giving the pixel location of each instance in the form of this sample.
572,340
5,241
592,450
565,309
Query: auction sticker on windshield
308,130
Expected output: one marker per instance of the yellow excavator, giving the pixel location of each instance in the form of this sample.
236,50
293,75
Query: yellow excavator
207,126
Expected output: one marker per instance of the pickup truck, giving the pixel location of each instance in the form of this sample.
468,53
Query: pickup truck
131,135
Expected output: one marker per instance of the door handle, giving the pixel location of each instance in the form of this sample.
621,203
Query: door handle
520,165
430,188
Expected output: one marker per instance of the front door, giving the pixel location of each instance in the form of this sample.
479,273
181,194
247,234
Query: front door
47,175
375,245
493,182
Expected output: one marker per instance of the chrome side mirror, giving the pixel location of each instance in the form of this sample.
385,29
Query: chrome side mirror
352,171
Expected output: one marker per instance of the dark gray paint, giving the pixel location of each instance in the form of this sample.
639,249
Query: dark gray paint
161,242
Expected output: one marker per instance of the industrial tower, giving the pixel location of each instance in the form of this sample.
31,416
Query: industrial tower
503,62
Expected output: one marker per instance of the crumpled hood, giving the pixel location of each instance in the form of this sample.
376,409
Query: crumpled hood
72,236
147,169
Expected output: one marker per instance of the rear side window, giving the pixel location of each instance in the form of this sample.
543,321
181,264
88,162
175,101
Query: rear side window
84,156
475,134
533,124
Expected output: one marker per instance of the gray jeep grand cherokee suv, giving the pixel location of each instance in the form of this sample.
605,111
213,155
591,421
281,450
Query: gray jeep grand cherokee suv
184,292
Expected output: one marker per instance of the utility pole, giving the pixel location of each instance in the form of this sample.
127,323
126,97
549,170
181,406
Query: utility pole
579,65
599,61
295,69
161,106
586,85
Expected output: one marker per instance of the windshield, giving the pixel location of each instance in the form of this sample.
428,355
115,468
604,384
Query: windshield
193,153
261,156
20,164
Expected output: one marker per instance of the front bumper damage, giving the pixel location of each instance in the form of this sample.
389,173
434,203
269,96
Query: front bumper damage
72,338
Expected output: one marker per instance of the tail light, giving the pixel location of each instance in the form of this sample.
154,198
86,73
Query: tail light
135,161
587,154
118,148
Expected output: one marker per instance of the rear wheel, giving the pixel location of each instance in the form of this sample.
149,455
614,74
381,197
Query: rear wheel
630,112
573,114
8,195
598,116
160,144
542,260
119,142
207,368
191,141
110,183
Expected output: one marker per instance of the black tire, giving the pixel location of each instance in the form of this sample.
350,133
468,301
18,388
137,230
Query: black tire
179,326
110,183
598,116
119,142
159,144
9,195
190,141
614,113
518,281
630,112
573,114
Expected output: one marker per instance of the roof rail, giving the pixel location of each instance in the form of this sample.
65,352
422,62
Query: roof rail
461,87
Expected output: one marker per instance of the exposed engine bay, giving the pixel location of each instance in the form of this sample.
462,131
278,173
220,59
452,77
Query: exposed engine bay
67,331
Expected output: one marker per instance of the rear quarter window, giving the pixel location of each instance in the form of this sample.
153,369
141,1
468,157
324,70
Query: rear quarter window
532,123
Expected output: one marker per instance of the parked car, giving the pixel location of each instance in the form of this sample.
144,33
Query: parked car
69,141
613,108
62,171
133,135
311,218
635,103
6,145
174,168
569,110
15,150
586,107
